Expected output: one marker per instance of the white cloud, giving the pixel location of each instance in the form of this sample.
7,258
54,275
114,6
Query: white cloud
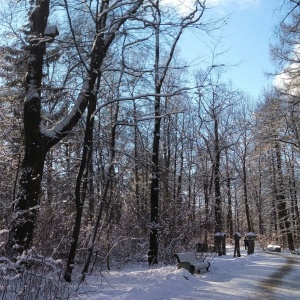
287,81
238,3
185,6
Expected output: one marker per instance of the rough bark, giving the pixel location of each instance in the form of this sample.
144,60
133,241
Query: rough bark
36,145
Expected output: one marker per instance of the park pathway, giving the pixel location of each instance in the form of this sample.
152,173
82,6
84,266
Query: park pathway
280,284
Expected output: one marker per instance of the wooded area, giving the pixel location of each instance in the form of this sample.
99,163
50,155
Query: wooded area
113,149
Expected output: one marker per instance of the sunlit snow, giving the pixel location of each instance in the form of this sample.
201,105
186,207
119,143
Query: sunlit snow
258,276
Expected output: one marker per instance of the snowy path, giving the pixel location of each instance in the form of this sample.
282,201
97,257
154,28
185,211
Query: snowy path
281,283
269,277
260,276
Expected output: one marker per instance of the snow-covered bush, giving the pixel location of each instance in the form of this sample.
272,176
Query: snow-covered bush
32,276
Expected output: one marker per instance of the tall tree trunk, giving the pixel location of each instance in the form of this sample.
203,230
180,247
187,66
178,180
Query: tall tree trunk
136,166
160,72
229,198
284,223
81,186
247,209
274,193
258,198
219,238
179,183
237,213
108,189
217,186
154,192
206,204
105,199
36,146
154,189
293,194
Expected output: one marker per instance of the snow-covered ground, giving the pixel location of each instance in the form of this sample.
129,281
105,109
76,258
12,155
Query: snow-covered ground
258,276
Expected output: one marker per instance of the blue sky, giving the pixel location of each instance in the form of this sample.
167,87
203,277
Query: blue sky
246,38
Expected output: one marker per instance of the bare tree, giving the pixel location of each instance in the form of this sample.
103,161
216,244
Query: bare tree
38,138
160,72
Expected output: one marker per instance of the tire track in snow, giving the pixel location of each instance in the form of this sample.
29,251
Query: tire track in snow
275,281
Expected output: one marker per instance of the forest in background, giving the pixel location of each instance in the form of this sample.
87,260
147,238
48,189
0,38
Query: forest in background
112,149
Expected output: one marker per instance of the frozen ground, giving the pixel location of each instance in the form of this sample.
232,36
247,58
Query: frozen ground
258,276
